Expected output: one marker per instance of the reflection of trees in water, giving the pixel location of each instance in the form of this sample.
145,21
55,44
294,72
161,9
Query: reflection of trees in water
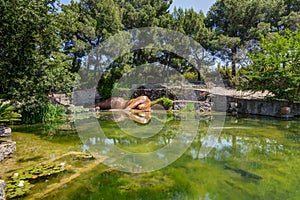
234,143
110,125
163,137
243,139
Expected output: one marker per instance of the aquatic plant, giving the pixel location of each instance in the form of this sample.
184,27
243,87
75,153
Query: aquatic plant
21,182
15,189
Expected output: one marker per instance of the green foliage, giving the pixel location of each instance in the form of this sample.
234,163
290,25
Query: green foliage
191,76
7,113
276,67
45,113
43,47
106,85
144,13
224,71
191,23
240,22
32,64
165,102
85,24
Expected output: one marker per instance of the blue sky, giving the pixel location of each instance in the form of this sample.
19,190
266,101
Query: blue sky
197,5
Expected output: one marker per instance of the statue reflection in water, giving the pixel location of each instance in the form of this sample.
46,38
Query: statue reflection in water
139,108
138,116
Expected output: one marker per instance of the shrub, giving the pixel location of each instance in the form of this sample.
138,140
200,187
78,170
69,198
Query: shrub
165,102
275,67
43,113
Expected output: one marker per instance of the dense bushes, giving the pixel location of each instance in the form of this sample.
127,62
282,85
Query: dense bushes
165,102
275,67
42,113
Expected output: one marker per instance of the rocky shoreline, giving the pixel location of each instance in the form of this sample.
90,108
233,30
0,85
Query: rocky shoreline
2,192
6,148
5,131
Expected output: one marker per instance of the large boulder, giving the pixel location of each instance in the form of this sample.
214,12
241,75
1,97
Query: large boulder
6,148
5,132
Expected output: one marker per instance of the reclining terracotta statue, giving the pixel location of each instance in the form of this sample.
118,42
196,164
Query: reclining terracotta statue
140,103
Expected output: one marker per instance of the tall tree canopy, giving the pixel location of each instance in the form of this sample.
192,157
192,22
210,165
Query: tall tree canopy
32,64
236,22
85,24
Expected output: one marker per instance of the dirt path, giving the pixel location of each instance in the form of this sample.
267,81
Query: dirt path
239,94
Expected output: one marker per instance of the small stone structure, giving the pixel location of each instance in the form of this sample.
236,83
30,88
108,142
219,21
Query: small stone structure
2,192
6,148
5,132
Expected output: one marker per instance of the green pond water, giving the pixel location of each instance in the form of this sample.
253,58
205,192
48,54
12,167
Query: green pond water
246,158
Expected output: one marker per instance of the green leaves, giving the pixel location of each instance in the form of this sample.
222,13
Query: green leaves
7,113
42,49
276,67
32,64
238,22
20,183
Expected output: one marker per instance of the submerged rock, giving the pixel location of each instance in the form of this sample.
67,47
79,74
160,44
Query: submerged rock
6,148
243,172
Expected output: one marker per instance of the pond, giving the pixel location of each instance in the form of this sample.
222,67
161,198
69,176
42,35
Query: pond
246,158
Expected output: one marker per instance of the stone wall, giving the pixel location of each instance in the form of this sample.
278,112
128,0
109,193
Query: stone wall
200,106
85,97
203,101
259,106
153,93
174,93
6,148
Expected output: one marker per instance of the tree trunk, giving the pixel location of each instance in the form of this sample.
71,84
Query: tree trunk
198,76
233,63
